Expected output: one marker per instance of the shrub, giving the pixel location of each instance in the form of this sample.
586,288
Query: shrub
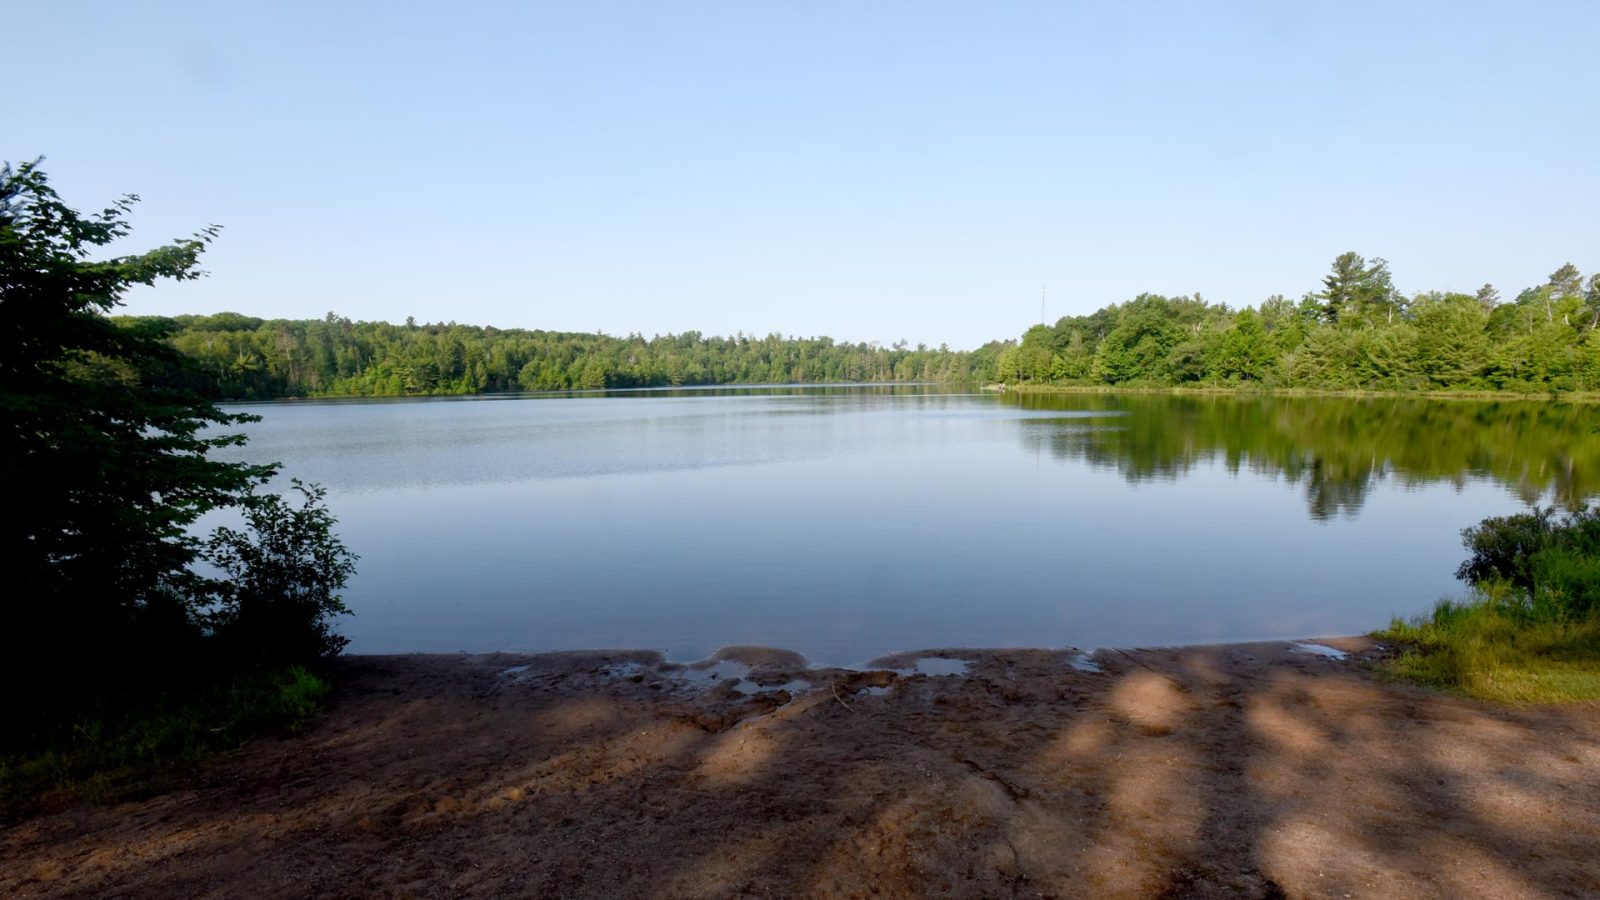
283,575
1503,547
1550,565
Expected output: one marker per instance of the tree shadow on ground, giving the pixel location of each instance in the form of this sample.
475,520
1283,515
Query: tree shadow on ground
1247,770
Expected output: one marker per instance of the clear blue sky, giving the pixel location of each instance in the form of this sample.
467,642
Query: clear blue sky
873,171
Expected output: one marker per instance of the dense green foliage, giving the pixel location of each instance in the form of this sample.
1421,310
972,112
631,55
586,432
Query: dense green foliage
1357,333
106,457
1531,631
245,358
1339,449
109,463
1547,566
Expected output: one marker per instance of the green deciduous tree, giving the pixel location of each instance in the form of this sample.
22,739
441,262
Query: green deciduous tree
105,454
1035,355
110,468
1140,346
1247,353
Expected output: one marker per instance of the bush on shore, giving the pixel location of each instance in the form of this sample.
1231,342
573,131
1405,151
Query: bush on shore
1530,631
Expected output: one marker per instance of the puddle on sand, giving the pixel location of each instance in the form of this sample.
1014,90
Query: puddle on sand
1081,661
936,665
512,671
626,669
793,687
704,678
1317,650
875,691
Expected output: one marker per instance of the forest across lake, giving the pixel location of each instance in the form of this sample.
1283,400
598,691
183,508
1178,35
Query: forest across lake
1358,333
848,522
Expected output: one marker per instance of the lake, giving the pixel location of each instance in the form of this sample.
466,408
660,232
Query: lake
846,523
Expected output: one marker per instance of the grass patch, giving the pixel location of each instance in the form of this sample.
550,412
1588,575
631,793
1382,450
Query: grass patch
115,750
1498,650
1530,632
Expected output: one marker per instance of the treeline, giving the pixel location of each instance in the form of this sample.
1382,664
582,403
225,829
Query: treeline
1358,333
239,357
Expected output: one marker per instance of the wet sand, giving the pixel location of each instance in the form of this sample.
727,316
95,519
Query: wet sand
1251,770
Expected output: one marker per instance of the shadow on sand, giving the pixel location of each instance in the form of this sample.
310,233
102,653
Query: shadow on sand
1244,770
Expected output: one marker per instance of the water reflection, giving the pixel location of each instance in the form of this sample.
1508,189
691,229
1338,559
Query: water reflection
1336,449
356,446
851,523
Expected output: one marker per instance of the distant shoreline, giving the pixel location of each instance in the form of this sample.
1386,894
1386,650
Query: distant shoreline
1181,391
598,392
1088,389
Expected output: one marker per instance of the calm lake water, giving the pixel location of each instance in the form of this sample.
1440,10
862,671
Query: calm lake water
850,522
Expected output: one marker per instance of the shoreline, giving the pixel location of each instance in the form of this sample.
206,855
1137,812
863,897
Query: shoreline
1363,646
1263,392
1026,388
1256,770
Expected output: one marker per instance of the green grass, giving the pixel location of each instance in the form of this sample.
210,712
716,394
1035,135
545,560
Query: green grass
1498,650
114,751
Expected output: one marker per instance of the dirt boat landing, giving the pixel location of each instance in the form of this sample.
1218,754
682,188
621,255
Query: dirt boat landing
1253,770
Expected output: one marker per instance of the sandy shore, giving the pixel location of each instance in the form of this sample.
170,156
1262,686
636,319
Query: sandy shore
1254,770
